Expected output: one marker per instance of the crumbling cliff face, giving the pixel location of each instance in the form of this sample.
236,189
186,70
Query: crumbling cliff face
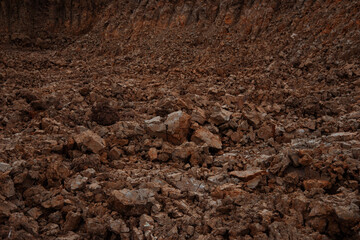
31,22
180,119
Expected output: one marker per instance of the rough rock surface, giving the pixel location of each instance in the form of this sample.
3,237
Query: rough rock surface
179,119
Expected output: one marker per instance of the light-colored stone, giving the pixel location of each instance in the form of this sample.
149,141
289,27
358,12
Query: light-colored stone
4,167
76,183
155,126
177,127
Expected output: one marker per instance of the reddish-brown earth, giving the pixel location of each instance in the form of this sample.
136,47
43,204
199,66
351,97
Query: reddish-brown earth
179,119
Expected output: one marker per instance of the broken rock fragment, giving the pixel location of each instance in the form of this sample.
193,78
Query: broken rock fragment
219,116
315,183
155,127
177,127
90,140
132,202
247,174
203,135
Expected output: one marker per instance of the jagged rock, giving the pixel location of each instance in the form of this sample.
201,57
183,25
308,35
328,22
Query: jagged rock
76,183
132,202
219,116
350,213
152,154
177,127
55,202
203,135
95,226
115,153
146,223
341,136
90,140
4,167
72,221
315,183
266,131
118,226
155,127
7,188
198,115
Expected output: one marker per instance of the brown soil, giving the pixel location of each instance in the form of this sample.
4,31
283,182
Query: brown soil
179,119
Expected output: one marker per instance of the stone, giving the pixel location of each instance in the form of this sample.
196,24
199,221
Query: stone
18,220
146,223
254,118
315,183
348,213
6,208
7,188
177,127
55,202
305,160
95,226
4,167
91,141
35,212
198,115
119,226
132,202
115,154
266,131
341,136
184,151
76,183
203,135
72,221
253,183
247,175
153,154
219,116
355,153
155,127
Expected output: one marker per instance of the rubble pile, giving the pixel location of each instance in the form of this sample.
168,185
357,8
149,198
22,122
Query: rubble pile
116,142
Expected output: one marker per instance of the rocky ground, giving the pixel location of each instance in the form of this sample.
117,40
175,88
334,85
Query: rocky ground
184,120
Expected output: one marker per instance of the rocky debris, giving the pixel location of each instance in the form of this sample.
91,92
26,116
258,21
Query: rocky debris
88,140
203,135
144,121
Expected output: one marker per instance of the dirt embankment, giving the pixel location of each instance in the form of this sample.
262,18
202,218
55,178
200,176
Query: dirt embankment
179,119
